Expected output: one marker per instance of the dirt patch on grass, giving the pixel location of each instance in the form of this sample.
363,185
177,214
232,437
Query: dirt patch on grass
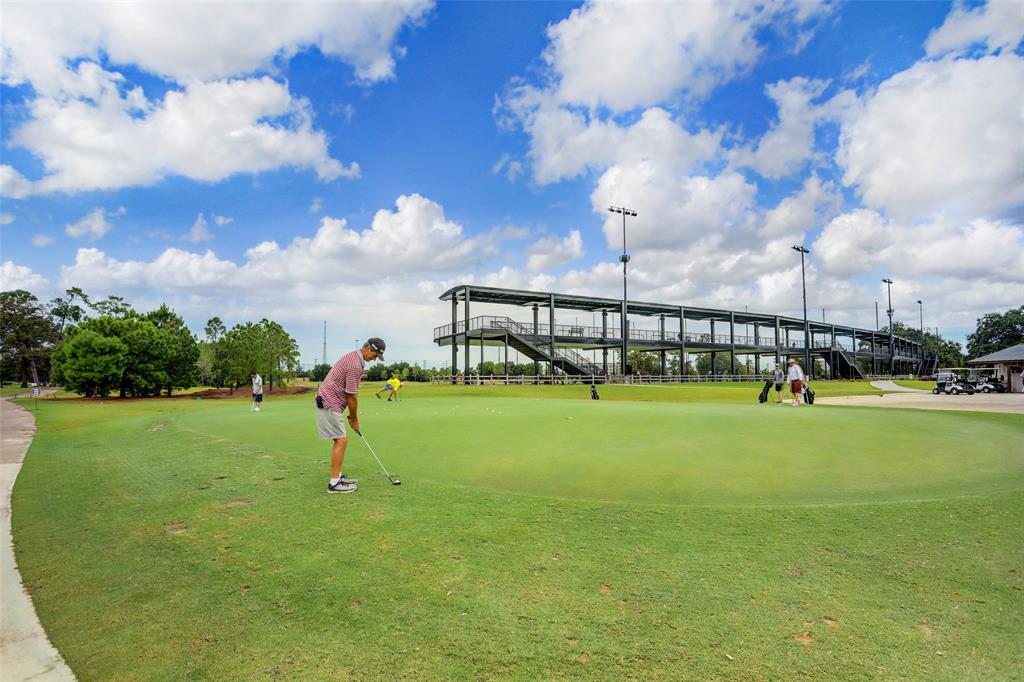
804,637
176,528
236,503
832,622
793,570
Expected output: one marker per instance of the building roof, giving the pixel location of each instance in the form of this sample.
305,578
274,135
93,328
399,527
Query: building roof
1011,354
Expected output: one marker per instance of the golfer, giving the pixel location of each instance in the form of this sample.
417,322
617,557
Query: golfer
392,385
796,381
257,391
778,376
337,392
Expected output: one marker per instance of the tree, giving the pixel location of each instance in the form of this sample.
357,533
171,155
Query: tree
950,353
721,363
996,331
89,363
178,349
27,333
319,372
644,363
112,306
66,310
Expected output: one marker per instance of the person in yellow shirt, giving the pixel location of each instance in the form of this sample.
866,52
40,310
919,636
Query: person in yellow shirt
391,385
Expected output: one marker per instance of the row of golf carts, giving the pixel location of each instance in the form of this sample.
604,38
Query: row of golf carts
959,380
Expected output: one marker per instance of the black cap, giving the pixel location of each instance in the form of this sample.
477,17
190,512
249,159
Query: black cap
377,346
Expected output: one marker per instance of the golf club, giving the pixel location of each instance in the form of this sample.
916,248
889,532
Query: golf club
394,481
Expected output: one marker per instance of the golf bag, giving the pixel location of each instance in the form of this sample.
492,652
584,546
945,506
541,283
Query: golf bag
808,395
593,392
763,398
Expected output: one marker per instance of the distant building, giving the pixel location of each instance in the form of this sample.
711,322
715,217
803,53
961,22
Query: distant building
1008,363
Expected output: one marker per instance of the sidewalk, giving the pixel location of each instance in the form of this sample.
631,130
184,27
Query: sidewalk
25,652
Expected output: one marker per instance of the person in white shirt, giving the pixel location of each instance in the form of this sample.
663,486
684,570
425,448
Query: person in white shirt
257,391
796,381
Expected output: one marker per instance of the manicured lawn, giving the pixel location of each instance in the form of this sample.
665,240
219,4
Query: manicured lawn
915,383
661,533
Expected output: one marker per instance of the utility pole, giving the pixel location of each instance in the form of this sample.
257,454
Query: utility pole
625,311
921,306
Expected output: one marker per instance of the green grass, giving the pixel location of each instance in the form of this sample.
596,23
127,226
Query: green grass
915,383
661,533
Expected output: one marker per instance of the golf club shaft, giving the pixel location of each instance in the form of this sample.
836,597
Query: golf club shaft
370,448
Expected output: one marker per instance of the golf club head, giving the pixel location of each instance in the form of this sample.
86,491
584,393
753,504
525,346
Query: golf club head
395,481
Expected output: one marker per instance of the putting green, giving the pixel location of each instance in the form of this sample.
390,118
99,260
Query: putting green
642,452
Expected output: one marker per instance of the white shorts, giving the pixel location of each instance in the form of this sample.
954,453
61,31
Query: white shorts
330,424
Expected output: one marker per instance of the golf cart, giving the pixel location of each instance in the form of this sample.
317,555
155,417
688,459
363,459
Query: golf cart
990,385
949,382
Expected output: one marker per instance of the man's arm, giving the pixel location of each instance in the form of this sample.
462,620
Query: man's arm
353,410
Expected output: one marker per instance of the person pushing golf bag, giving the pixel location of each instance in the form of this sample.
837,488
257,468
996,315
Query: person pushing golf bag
593,392
763,398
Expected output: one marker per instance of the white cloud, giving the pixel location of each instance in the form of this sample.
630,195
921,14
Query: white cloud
789,143
14,276
200,232
513,169
415,238
316,206
623,55
221,221
863,241
13,185
552,251
944,135
93,129
998,25
802,211
674,211
41,240
6,218
207,132
199,41
92,226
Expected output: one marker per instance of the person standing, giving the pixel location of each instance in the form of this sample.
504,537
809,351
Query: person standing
796,381
778,377
338,392
257,391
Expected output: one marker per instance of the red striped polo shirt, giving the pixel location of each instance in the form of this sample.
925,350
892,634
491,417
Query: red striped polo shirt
342,381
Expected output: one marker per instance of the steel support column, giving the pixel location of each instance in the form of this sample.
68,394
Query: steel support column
682,341
465,354
662,324
732,344
778,349
604,335
536,332
455,337
551,332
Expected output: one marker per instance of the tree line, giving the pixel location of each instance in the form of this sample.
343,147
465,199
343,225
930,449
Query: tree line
95,348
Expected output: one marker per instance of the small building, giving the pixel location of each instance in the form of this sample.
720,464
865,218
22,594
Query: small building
1008,363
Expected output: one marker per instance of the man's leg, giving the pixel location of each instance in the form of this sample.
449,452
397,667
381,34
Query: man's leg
338,456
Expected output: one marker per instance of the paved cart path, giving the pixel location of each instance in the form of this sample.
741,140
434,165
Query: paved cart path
979,402
25,651
886,385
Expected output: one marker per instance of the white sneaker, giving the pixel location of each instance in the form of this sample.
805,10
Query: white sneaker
257,409
341,487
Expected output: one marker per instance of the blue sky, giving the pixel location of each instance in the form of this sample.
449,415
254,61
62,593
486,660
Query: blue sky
348,163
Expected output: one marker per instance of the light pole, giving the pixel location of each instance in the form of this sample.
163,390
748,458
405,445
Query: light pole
625,259
807,330
892,359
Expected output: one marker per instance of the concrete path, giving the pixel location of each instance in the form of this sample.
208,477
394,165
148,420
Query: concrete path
886,385
979,402
25,652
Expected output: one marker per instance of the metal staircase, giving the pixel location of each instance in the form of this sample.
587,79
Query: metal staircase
538,348
847,364
928,367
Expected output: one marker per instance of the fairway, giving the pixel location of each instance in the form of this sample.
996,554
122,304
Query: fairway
661,533
653,452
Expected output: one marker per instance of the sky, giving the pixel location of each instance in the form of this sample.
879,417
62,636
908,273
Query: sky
349,162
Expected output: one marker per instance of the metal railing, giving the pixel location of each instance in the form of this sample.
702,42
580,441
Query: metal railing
584,332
